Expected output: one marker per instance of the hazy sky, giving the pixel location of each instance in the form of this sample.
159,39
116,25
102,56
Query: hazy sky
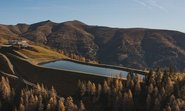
165,14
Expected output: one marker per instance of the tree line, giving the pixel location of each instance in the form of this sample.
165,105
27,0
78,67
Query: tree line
157,91
160,90
34,99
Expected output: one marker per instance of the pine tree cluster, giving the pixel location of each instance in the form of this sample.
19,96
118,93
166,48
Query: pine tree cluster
158,91
34,99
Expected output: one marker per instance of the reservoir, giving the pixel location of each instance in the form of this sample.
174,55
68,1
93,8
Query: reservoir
90,69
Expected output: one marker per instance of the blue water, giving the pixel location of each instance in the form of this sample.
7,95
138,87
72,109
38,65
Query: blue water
68,65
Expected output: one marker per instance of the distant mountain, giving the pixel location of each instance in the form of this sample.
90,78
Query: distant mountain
134,47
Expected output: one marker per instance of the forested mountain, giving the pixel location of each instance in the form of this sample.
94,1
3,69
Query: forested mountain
135,47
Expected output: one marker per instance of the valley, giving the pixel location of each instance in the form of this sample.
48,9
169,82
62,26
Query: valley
92,55
73,66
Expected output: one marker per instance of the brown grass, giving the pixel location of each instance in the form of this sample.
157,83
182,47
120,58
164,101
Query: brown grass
40,54
64,81
3,41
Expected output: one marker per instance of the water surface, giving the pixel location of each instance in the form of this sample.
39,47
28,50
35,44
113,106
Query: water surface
68,65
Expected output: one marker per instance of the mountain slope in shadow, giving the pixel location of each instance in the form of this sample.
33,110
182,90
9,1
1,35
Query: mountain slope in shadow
134,47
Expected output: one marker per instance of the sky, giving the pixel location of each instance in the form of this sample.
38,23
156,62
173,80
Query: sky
157,14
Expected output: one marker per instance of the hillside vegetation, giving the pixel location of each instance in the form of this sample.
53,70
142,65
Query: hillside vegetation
159,91
35,88
36,98
38,54
135,47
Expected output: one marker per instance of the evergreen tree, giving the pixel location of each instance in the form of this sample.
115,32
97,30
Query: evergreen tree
21,107
148,102
82,106
61,105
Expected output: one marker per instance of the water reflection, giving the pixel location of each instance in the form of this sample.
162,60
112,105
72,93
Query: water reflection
68,65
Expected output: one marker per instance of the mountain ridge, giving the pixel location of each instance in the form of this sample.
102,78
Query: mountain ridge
131,47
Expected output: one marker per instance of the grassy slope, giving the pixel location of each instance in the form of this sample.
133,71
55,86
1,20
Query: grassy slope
2,40
40,54
65,82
